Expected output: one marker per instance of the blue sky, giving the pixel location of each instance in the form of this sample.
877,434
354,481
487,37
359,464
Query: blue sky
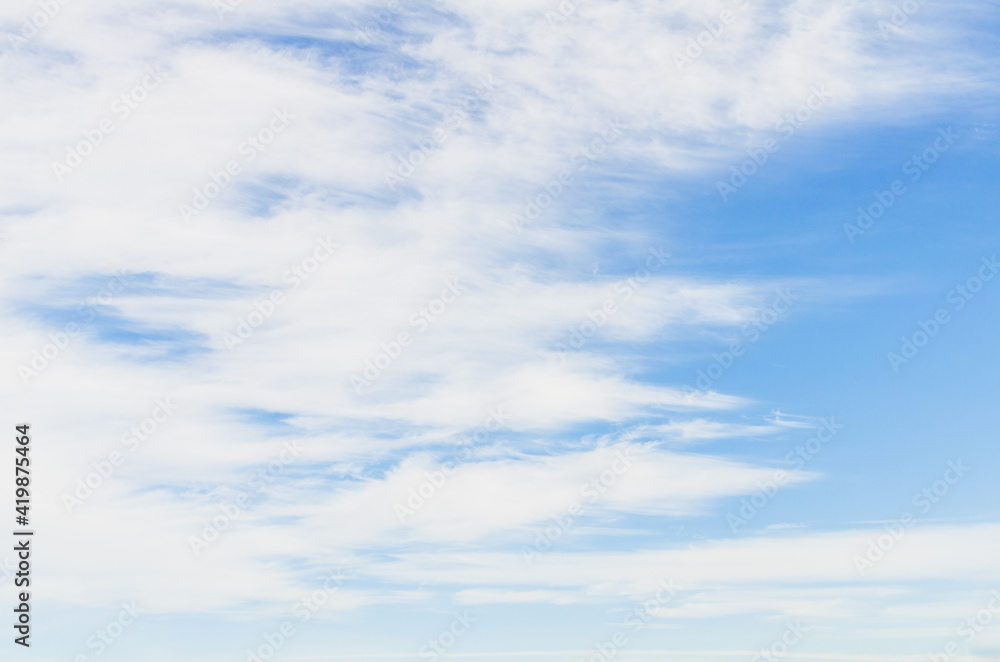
415,329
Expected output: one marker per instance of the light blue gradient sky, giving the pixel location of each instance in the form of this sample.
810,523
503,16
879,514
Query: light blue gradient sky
504,97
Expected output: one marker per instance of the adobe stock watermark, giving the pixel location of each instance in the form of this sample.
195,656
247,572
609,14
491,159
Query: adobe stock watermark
131,440
122,108
106,636
927,329
379,20
624,289
303,610
750,506
580,161
455,117
914,167
421,320
42,357
236,506
435,480
752,331
294,276
223,7
701,42
592,491
439,645
969,629
31,26
786,128
901,14
249,149
561,13
924,500
637,618
781,646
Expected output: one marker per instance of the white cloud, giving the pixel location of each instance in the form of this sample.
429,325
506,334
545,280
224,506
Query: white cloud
325,177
